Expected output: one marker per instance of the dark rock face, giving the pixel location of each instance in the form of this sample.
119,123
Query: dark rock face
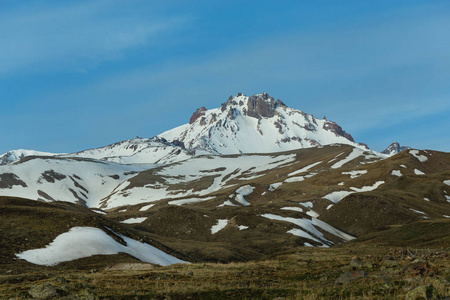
364,145
197,114
8,180
395,148
262,106
333,127
51,176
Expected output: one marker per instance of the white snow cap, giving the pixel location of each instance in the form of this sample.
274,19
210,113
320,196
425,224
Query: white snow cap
256,124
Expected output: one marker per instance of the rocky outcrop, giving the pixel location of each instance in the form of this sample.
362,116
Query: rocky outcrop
333,127
262,106
197,114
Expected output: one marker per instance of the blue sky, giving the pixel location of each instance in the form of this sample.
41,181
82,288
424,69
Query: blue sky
84,74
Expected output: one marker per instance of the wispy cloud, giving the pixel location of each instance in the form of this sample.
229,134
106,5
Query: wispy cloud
75,36
391,60
371,74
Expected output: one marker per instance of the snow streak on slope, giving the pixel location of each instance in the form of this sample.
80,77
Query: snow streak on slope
255,124
195,177
82,242
309,229
339,195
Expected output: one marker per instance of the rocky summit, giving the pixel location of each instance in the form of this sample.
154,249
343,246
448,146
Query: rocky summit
255,124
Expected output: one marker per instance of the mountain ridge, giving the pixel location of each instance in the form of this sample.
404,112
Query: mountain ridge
255,124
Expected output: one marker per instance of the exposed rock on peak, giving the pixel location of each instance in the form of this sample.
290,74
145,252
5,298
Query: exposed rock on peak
197,114
333,127
395,148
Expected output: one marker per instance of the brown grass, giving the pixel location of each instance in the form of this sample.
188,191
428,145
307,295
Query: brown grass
302,273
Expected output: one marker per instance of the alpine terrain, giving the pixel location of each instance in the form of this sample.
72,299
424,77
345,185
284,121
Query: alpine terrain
251,181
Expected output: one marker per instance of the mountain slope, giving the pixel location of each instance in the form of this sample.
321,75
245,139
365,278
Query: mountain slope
256,124
138,151
74,180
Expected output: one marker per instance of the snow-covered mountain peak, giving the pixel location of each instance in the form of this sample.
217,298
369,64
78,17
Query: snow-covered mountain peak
255,124
394,148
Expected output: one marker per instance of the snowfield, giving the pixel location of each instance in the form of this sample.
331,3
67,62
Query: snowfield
70,180
81,242
221,170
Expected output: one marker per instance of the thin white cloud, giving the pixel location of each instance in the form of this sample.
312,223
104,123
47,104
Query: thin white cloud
77,35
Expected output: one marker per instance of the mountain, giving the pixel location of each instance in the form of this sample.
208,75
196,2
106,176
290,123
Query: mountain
394,148
255,124
246,181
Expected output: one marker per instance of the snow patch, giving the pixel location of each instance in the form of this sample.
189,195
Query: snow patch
417,211
295,179
396,173
423,215
312,213
134,220
274,186
221,223
304,169
242,227
227,203
447,182
339,195
368,188
309,229
299,209
418,172
355,173
81,242
189,200
146,207
243,191
354,154
426,199
415,153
